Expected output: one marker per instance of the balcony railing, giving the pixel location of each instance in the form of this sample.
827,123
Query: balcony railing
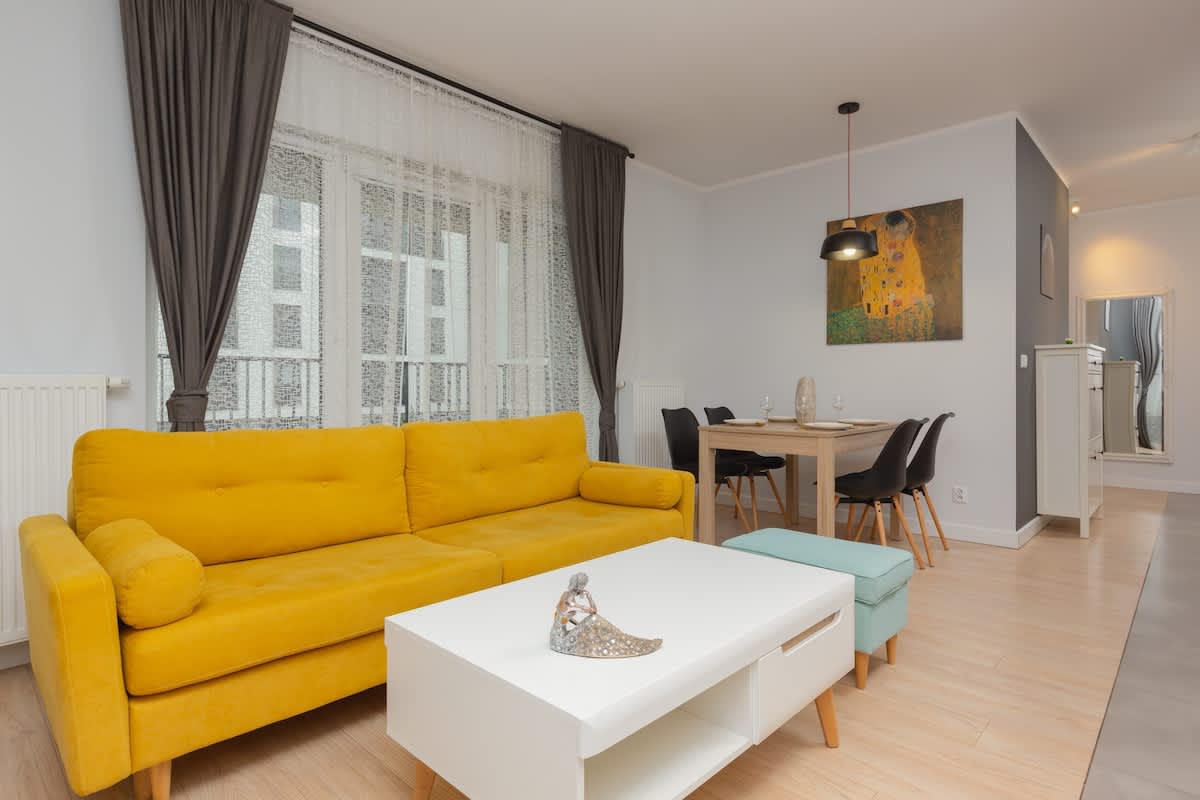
279,392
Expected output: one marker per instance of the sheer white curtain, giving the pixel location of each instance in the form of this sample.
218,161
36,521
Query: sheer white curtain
409,259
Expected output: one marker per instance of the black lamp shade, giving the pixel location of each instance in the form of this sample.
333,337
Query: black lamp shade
849,244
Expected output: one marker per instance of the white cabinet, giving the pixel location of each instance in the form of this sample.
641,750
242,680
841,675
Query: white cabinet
1122,386
1070,431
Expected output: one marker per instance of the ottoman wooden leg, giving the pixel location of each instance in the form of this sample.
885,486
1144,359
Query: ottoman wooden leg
862,665
423,781
828,717
891,649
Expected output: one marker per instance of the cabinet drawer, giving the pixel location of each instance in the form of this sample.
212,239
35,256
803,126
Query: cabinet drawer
790,677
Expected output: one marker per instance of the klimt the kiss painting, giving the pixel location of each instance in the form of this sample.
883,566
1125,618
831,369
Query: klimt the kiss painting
912,290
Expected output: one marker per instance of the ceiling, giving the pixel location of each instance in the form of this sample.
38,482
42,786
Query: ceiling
712,91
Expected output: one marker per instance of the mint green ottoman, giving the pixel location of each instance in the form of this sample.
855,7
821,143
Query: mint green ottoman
880,583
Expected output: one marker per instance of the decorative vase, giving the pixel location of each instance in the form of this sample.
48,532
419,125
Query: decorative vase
806,399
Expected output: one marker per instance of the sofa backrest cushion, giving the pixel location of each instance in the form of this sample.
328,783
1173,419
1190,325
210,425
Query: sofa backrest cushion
462,470
235,495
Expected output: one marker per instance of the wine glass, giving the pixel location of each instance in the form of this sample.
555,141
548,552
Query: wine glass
765,405
838,404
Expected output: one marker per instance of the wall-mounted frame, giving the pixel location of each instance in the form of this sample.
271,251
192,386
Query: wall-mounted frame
1168,362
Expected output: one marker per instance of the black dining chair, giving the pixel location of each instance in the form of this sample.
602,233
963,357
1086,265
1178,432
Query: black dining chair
882,483
683,443
757,465
920,473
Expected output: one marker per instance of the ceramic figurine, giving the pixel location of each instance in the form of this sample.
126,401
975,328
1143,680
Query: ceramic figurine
580,631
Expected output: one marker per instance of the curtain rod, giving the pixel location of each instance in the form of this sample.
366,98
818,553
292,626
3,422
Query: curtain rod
400,62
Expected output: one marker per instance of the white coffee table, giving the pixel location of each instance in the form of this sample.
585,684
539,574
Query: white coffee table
475,693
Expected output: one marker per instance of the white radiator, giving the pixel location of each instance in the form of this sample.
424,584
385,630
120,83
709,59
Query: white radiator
41,416
650,438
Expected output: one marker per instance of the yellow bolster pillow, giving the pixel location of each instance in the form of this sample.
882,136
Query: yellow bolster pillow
156,580
644,487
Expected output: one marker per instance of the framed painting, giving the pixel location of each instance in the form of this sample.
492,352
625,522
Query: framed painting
911,291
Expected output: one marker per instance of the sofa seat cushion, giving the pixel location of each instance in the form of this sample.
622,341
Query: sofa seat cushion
555,535
252,612
878,571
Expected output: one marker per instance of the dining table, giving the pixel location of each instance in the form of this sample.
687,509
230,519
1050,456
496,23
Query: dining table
793,440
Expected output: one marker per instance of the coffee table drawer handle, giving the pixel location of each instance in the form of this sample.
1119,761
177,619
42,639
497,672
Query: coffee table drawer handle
799,639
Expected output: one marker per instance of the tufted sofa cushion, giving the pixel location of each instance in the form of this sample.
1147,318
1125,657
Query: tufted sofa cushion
462,470
235,495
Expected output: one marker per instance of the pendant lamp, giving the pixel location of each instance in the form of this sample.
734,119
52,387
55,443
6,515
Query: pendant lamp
849,244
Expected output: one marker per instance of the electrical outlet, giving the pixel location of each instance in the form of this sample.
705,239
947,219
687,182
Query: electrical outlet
1024,361
959,495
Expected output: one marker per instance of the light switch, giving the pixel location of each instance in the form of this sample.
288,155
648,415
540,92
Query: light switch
1024,361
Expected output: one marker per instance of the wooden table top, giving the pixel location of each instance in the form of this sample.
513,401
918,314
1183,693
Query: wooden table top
796,429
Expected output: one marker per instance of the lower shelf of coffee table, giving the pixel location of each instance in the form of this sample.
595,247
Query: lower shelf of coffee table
669,758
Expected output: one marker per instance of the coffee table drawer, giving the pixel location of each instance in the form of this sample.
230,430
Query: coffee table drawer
790,677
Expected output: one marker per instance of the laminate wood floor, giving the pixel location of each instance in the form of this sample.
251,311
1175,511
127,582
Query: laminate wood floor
999,691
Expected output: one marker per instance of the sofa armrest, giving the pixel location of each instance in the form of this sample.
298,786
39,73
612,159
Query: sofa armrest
75,653
647,487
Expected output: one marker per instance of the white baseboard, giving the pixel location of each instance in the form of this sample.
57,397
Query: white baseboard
14,655
996,537
1153,485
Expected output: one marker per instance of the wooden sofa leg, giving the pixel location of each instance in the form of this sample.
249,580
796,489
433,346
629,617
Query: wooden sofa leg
891,649
862,665
153,783
828,717
423,781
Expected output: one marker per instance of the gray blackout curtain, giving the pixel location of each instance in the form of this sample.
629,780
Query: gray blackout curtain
1147,327
204,78
594,200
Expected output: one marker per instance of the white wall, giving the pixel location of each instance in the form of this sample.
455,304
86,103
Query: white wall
663,249
73,271
1142,250
757,321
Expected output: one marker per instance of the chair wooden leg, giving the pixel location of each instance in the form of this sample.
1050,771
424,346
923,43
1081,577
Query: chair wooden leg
862,665
153,783
737,507
849,518
423,782
879,525
778,497
912,544
828,716
933,513
924,530
737,493
754,501
891,649
716,489
862,521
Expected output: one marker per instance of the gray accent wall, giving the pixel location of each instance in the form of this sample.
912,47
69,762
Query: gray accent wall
1042,200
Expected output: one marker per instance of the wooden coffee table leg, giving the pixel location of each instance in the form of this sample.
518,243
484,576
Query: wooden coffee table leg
423,781
828,717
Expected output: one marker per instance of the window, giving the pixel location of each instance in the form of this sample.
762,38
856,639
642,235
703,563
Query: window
287,267
287,382
437,336
287,326
287,214
230,339
394,277
437,288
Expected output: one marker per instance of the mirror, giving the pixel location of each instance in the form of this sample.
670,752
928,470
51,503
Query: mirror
1132,332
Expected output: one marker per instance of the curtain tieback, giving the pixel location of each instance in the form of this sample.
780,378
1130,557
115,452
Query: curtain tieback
187,405
608,419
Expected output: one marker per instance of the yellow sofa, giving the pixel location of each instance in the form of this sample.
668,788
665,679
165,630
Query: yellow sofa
307,540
